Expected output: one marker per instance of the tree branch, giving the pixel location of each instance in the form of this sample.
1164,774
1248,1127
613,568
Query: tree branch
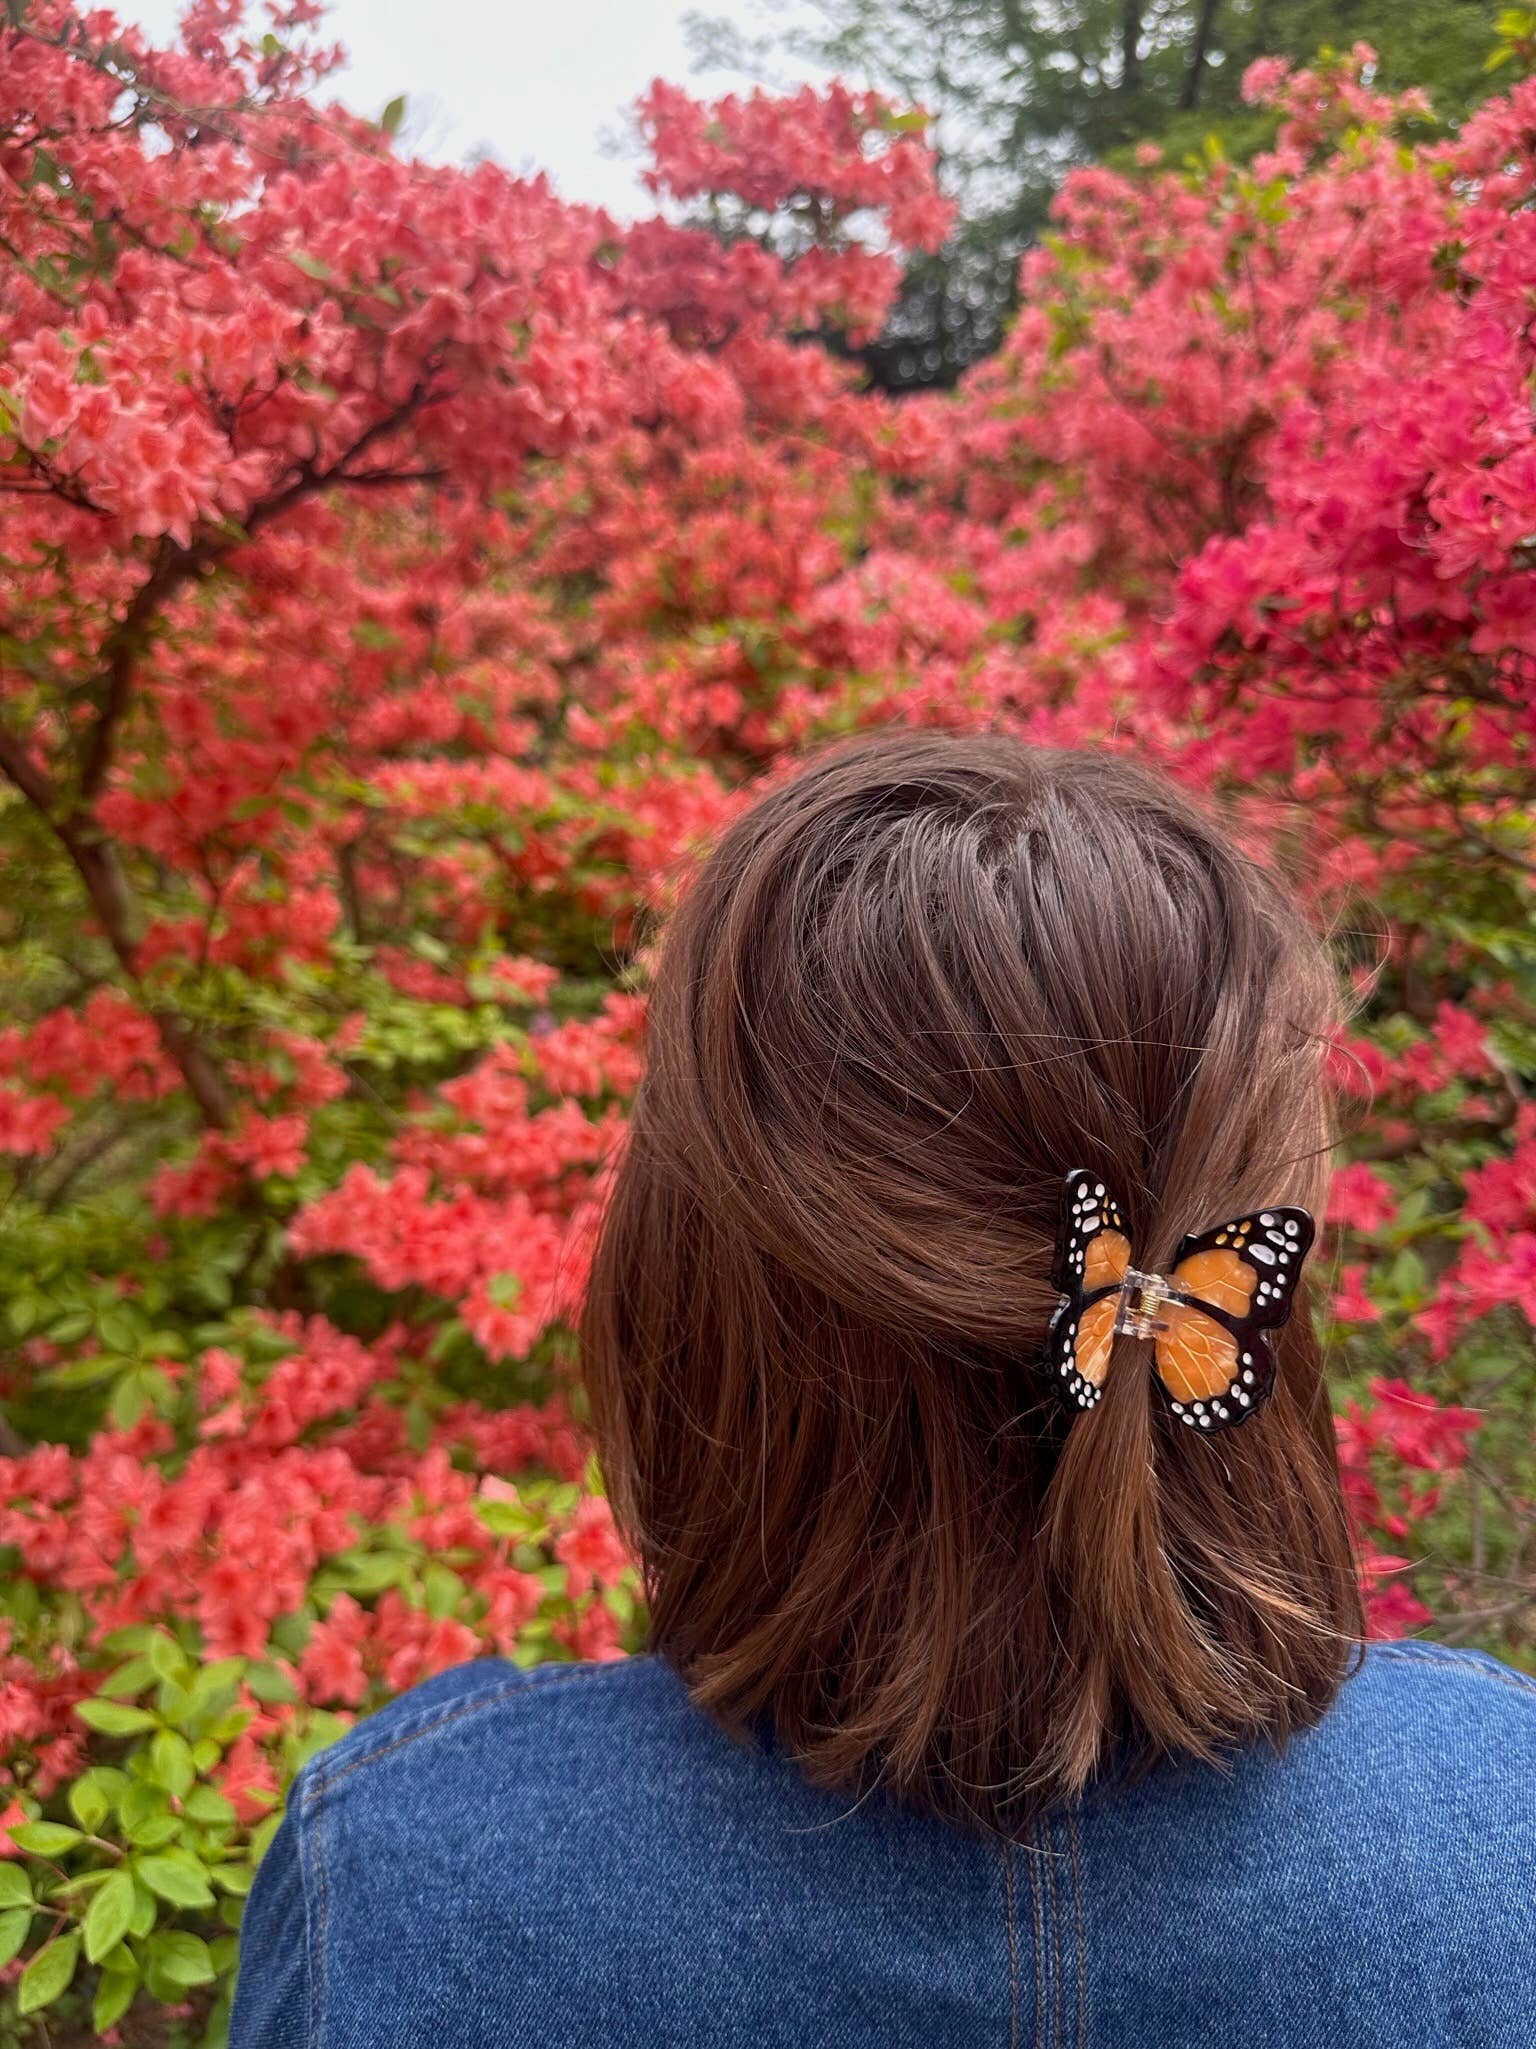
175,565
1453,1132
96,861
122,649
23,771
93,853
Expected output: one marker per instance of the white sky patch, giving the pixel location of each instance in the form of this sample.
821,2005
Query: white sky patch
541,85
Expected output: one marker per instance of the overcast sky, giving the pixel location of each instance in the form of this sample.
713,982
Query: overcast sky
538,83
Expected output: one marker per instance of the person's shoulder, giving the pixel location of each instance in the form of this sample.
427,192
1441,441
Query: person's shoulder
1447,1699
1419,1662
1388,1855
417,1816
1425,1758
1426,1761
491,1700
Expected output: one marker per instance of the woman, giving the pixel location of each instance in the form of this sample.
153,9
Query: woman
1005,1683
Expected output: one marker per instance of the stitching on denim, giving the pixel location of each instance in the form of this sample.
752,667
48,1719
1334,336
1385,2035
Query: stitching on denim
1082,1945
1013,1947
1427,1654
1054,1915
1034,1901
440,1720
317,1990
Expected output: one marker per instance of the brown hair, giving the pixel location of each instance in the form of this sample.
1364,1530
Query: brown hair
911,989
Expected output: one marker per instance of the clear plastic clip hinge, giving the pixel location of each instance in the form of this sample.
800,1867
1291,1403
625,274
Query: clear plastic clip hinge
1141,1300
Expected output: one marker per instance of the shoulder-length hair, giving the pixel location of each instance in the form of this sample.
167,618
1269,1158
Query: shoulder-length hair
911,989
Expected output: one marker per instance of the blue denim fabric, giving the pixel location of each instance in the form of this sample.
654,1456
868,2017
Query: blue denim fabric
575,1856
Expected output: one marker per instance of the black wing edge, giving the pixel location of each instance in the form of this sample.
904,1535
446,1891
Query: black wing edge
1272,1229
1072,1240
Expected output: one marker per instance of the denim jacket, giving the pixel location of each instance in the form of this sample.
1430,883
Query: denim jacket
575,1857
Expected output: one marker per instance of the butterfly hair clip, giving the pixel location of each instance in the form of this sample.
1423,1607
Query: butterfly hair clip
1209,1320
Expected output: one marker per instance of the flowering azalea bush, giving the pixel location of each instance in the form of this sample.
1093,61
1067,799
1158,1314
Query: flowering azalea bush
402,574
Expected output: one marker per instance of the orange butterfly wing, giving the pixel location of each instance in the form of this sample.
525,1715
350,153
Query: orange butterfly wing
1095,1336
1092,1256
1234,1284
1106,1262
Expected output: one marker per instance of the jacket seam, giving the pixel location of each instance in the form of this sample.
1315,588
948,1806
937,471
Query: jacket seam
314,1817
1053,1911
1013,1947
1034,1902
1082,1945
322,1780
1501,1675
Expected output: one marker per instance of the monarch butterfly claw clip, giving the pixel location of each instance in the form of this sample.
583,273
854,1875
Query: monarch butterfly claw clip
1209,1321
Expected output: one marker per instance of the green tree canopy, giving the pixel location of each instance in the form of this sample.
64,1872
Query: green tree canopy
1023,90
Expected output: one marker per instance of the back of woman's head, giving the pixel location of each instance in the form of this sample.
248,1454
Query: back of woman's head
910,990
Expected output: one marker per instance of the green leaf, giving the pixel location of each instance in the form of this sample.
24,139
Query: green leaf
207,1804
130,1677
173,1702
311,266
141,1803
270,1685
442,1589
372,1572
119,1329
14,1924
15,1886
49,1973
393,115
110,1916
114,1996
45,1838
113,1718
214,1683
213,1289
21,1601
167,1657
88,1803
85,1372
170,1763
130,1398
181,1957
154,1832
145,1913
1406,1276
177,1878
509,1518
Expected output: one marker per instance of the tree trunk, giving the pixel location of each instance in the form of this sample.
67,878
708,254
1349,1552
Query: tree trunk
1130,49
1189,96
